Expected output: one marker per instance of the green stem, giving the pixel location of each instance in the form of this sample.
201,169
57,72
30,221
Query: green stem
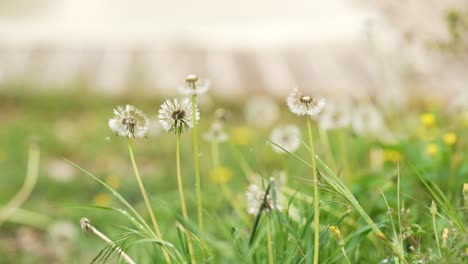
270,243
344,155
197,165
31,178
328,150
345,255
182,198
316,195
215,153
145,198
435,234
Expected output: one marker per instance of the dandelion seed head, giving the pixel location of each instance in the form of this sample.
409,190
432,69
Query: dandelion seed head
129,122
194,86
288,137
334,116
216,133
261,111
176,115
302,105
367,120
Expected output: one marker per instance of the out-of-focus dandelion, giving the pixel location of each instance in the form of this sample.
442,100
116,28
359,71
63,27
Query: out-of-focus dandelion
176,115
335,116
255,196
60,171
302,105
61,236
450,139
367,120
432,149
288,137
220,175
216,133
428,120
261,111
113,181
194,86
242,135
392,155
102,199
129,122
222,115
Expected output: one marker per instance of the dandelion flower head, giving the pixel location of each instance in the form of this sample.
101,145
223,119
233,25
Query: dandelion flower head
288,137
216,133
129,122
176,115
194,86
261,111
302,105
335,116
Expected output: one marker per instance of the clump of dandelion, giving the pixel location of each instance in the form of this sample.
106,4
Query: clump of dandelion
176,115
309,106
129,122
179,117
261,111
288,137
194,86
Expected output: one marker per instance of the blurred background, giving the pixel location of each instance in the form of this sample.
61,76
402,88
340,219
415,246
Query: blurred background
65,64
338,46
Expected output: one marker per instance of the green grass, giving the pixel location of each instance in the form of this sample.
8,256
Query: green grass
381,209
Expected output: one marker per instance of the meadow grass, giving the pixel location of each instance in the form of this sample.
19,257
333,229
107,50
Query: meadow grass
375,195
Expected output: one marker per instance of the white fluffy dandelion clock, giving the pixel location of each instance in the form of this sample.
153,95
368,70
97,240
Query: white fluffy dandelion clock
129,122
335,116
194,86
216,133
287,137
176,115
302,105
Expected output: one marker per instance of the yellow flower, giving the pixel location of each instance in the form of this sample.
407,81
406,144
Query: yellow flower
242,135
450,139
428,119
392,155
432,149
465,191
113,181
102,199
220,175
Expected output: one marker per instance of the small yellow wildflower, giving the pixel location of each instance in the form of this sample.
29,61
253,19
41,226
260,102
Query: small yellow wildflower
432,149
392,155
242,135
450,139
113,181
102,199
220,175
336,231
428,119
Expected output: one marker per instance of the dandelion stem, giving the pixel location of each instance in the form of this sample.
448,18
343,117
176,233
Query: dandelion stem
316,194
215,153
197,165
270,243
145,198
182,199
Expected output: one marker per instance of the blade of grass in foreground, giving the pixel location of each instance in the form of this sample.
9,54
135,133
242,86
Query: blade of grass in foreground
119,197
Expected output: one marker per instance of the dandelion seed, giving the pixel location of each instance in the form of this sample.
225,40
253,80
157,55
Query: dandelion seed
261,111
288,137
302,105
194,86
255,197
176,115
129,122
334,117
216,133
107,139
